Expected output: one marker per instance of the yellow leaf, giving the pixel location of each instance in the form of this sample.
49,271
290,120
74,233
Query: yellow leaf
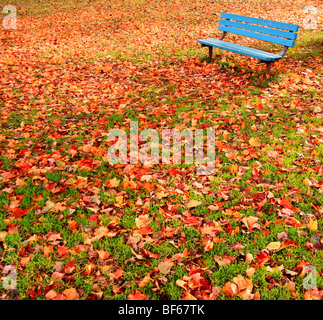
114,182
193,204
273,246
312,225
182,284
3,234
254,142
119,200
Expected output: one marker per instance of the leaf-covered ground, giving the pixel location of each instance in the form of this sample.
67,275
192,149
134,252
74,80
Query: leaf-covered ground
75,227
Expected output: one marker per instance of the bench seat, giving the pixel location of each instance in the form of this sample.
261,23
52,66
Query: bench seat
266,30
236,48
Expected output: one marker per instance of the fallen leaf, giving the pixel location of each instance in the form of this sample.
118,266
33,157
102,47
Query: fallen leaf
70,294
51,294
137,295
230,289
222,260
312,225
254,142
142,220
144,281
193,203
182,284
3,235
188,296
165,267
273,246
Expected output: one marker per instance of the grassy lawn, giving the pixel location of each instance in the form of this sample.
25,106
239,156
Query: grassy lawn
76,227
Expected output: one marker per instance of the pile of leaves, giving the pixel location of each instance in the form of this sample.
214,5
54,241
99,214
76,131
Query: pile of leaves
76,227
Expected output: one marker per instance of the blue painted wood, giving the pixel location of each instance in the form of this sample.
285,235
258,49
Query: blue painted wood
251,52
251,27
263,22
256,35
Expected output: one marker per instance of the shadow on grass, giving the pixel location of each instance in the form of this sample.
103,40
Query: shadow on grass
256,78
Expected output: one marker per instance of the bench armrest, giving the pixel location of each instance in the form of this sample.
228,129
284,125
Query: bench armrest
222,35
284,51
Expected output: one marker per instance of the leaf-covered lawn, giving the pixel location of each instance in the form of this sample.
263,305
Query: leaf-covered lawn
76,227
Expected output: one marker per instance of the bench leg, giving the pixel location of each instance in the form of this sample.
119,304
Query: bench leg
210,52
268,67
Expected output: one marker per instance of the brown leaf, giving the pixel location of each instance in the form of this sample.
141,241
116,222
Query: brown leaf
193,203
165,267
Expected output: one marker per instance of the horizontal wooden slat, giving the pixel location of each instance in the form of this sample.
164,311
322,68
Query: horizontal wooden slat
251,27
251,52
263,22
260,36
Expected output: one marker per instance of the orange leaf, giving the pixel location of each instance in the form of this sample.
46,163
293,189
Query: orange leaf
243,283
254,142
62,251
188,296
47,250
144,281
230,289
137,295
118,273
71,294
51,294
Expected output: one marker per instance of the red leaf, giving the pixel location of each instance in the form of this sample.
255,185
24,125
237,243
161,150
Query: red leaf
62,251
118,273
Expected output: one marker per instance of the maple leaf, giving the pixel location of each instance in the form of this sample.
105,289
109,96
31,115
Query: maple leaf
230,289
142,220
70,294
144,281
165,267
102,253
47,250
62,251
188,296
51,294
113,183
193,203
222,260
182,284
118,273
313,294
254,142
243,283
137,295
312,225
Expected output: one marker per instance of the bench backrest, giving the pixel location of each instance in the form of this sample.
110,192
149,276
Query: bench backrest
266,30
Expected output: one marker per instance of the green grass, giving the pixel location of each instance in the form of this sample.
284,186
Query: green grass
53,197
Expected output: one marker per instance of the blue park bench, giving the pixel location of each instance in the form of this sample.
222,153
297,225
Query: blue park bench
266,30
